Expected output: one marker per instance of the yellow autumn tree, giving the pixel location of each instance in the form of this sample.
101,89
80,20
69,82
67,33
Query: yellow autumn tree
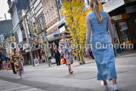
73,12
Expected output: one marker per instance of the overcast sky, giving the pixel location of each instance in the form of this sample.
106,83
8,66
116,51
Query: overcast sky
4,9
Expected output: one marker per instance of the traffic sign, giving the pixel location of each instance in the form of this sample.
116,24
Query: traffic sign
12,38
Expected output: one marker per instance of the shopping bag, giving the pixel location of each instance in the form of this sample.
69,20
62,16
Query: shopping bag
36,62
53,60
22,68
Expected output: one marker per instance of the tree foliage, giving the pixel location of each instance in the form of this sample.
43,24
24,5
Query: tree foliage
74,14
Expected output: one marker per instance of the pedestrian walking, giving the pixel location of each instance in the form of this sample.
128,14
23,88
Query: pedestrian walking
12,63
17,59
8,65
4,63
0,60
97,23
57,55
66,51
90,53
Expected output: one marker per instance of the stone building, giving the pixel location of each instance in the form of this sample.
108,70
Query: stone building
51,15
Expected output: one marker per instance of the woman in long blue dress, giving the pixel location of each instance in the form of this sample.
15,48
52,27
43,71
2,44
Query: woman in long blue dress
97,24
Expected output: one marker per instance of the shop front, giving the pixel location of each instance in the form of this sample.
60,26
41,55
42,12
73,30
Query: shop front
123,17
121,28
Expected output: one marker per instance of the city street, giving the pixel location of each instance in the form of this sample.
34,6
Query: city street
43,78
35,33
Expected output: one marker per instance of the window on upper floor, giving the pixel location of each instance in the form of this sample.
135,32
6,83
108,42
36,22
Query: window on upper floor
41,20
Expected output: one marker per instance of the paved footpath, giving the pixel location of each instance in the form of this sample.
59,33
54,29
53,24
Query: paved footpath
44,78
10,86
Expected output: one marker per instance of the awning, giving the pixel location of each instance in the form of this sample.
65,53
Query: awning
112,4
5,56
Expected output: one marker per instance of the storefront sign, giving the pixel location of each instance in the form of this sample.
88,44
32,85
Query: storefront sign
53,36
120,17
62,29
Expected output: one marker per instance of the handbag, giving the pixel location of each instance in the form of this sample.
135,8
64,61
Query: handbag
63,61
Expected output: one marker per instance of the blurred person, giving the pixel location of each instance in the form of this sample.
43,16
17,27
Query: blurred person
0,60
17,60
57,55
12,62
4,63
97,23
66,51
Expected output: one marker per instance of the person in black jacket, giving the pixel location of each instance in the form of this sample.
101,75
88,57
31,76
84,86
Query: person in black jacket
12,61
0,60
57,55
0,63
91,54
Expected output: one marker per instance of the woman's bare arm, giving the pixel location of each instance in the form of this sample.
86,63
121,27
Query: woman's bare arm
109,24
89,29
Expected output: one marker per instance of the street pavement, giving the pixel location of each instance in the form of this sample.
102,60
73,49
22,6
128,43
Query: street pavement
57,78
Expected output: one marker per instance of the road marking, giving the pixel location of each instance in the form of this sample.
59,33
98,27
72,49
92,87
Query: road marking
31,89
15,88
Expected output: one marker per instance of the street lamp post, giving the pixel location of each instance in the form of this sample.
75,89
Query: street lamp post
47,49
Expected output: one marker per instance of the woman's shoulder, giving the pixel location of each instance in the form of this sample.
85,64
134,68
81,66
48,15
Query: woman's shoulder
104,12
90,13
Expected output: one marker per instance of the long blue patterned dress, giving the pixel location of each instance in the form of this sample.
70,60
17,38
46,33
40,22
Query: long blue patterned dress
104,56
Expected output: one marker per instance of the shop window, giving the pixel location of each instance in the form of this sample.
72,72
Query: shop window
124,31
116,37
134,35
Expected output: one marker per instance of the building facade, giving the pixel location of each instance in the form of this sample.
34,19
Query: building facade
51,15
5,29
18,31
15,9
36,23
